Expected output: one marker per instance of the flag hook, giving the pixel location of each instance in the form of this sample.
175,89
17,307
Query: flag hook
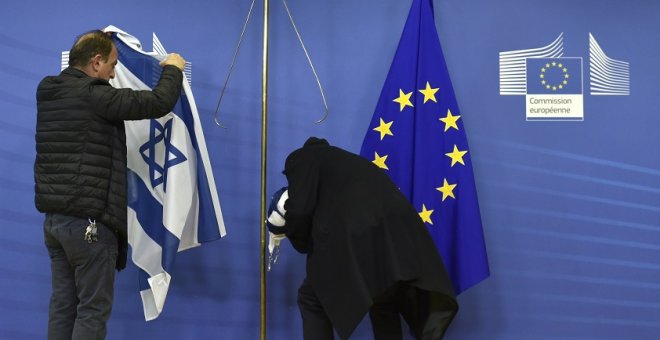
238,47
309,60
231,67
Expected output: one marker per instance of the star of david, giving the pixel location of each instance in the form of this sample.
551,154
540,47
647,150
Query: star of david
160,134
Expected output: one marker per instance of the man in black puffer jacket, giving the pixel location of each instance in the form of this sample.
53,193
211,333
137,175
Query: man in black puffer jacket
80,178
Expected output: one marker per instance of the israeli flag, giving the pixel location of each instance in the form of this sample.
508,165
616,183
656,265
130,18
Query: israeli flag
172,199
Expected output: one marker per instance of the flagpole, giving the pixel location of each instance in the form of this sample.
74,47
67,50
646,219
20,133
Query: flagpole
264,120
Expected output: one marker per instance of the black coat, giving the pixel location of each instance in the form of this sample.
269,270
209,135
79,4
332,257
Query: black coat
360,232
80,167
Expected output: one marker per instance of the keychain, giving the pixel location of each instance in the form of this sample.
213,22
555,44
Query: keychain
91,234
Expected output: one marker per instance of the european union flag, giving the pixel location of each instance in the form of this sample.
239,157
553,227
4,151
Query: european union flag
417,136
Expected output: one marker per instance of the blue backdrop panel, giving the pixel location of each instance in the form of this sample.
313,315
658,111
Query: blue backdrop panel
570,209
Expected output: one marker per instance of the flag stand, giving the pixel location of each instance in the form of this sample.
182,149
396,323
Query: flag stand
264,139
264,144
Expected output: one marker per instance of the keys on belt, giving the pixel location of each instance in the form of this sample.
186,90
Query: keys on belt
91,233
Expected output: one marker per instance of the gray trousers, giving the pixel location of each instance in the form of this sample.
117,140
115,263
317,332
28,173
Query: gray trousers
83,277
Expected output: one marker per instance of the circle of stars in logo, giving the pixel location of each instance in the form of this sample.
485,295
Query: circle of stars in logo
544,76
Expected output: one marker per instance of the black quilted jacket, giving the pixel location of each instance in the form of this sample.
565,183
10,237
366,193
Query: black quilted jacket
80,168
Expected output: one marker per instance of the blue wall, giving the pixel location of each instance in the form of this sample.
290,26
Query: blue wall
571,210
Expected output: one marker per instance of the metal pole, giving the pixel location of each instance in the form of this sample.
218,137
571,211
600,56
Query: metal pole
264,121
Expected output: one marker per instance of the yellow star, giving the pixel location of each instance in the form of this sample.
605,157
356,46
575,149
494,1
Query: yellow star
456,156
429,93
384,128
403,100
450,121
426,215
447,190
380,161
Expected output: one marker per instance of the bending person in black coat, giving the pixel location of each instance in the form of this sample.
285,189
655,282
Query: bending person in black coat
367,248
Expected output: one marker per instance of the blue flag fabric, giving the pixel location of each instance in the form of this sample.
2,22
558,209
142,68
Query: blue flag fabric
417,136
173,203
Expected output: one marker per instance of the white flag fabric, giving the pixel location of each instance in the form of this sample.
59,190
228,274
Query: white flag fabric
173,203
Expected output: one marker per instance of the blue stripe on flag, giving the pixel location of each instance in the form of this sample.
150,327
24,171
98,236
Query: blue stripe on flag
144,67
207,222
150,215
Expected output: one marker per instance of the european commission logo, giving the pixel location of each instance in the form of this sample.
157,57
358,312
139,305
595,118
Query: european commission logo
554,88
552,84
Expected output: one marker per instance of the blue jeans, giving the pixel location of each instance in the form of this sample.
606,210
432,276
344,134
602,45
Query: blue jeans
83,277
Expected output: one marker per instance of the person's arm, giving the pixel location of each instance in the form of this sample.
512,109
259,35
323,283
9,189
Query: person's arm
128,104
302,172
